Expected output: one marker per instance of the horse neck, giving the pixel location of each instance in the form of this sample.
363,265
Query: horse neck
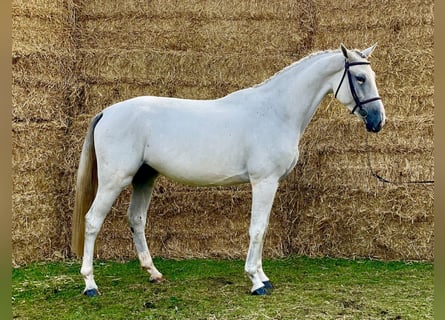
297,90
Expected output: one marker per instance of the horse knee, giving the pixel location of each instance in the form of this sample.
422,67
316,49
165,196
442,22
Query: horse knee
251,267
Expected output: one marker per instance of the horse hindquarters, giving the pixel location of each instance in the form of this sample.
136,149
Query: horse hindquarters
113,175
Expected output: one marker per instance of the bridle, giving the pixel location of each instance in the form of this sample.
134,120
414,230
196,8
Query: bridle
358,104
362,112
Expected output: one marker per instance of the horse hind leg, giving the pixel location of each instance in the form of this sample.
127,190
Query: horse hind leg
105,197
143,183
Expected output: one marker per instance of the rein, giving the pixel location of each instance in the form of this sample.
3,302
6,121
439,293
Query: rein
380,178
358,104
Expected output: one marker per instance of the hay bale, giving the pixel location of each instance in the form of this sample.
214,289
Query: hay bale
202,58
344,210
47,35
180,69
207,36
42,66
34,103
70,60
352,223
36,185
32,150
170,9
402,152
40,8
35,233
208,222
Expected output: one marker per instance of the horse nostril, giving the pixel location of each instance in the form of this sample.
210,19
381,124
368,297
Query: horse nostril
374,128
378,127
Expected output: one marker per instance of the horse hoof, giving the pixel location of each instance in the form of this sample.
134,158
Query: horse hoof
268,285
156,280
261,292
91,292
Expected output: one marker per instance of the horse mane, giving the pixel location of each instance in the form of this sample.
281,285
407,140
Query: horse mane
294,65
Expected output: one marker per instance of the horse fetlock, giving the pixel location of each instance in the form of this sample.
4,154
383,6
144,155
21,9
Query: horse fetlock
87,272
257,286
146,260
155,275
256,281
251,270
262,275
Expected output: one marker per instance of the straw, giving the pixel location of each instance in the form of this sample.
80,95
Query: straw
71,59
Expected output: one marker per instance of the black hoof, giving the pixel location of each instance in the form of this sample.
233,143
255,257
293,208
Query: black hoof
91,292
261,292
268,286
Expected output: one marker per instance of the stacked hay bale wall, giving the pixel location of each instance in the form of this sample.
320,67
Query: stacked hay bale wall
42,63
330,205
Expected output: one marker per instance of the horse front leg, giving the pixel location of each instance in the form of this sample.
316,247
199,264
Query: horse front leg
143,184
263,194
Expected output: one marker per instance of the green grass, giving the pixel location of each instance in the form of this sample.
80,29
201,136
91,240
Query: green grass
218,289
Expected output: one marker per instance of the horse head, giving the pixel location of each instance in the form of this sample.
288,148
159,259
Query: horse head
362,97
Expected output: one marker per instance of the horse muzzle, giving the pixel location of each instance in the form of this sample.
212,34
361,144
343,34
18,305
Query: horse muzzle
374,127
374,120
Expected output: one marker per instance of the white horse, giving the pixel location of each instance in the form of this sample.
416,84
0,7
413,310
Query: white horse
250,135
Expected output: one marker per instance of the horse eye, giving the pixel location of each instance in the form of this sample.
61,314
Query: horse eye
360,79
363,113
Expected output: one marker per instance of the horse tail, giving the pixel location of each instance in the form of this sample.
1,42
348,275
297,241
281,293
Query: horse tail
86,187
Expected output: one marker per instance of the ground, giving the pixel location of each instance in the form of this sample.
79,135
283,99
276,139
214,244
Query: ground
218,289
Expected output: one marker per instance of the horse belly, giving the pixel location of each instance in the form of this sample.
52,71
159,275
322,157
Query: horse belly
205,178
198,172
196,161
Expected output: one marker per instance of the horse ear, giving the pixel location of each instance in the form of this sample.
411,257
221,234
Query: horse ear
344,50
367,52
